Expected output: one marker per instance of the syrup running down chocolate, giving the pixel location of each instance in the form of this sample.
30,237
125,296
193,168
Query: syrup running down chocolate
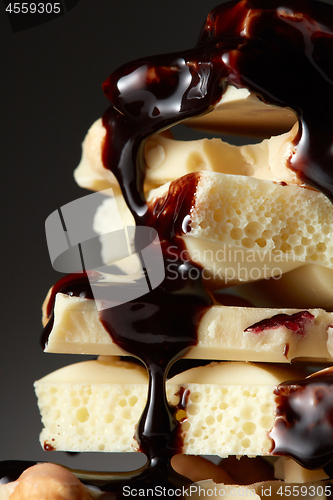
283,53
304,423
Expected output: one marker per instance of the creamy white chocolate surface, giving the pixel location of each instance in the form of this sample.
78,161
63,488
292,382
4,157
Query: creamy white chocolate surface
91,173
167,159
306,286
245,229
258,225
241,112
291,472
92,406
262,228
230,409
221,333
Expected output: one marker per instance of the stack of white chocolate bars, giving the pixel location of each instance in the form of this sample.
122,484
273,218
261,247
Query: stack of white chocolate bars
269,228
254,227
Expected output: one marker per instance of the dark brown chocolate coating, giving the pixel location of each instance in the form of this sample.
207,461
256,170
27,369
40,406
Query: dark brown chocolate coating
303,428
282,51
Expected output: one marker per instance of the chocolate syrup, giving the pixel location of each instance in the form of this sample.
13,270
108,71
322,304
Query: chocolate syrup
303,428
159,328
170,214
48,447
283,53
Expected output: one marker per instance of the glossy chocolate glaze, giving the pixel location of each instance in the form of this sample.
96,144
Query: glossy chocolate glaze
282,51
170,214
303,427
158,328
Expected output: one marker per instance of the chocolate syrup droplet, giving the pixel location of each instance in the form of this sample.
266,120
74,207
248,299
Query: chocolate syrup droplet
48,447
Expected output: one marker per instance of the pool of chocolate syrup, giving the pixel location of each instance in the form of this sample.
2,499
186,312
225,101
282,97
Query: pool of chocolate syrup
280,50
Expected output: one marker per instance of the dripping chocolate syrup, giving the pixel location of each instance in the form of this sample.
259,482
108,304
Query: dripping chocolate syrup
283,53
304,423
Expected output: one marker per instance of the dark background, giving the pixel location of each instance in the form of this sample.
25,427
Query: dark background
50,94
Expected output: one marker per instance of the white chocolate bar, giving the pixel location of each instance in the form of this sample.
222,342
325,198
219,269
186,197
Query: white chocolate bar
168,159
238,111
256,227
221,333
241,112
245,229
291,472
306,286
95,406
